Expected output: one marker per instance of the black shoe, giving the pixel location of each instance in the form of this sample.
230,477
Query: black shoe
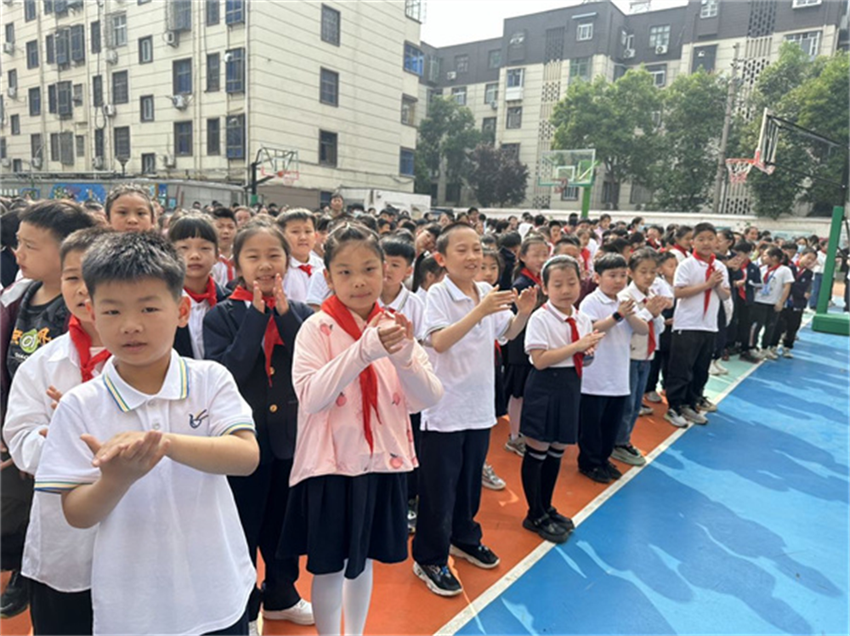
546,528
749,357
15,598
565,522
439,579
480,556
613,471
597,474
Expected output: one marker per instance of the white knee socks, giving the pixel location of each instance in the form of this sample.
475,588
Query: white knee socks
514,413
331,593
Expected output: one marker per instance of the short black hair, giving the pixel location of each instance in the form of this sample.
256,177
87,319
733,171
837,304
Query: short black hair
129,257
81,240
561,261
639,256
705,226
682,230
540,219
609,260
128,188
395,246
663,257
743,247
323,223
262,223
193,225
351,233
60,218
224,213
451,228
568,240
10,221
510,239
298,214
615,246
636,237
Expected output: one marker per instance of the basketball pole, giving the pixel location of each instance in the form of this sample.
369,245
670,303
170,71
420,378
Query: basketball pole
823,321
585,201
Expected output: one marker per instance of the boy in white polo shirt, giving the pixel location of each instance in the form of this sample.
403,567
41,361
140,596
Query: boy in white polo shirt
605,385
700,285
462,320
299,228
142,453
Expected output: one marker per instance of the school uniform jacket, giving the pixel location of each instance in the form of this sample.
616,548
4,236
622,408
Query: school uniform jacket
183,339
233,336
801,285
753,282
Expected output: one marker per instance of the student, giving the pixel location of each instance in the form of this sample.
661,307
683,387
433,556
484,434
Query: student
159,433
243,215
299,228
557,338
129,209
554,234
642,348
196,242
701,284
252,333
358,371
683,238
746,283
462,319
663,286
57,557
776,280
821,248
605,384
427,273
9,223
509,244
226,225
570,246
532,254
792,314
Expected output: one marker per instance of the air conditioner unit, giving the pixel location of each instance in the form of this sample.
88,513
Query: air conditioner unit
12,92
97,163
494,105
112,56
180,102
169,161
628,54
172,38
451,75
109,110
36,163
6,163
661,49
9,47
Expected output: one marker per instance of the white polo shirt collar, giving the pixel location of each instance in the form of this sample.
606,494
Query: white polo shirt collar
454,291
175,386
558,313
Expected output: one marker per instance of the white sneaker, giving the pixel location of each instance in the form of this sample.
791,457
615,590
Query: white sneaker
253,630
720,368
770,354
693,416
675,418
786,353
712,368
645,410
301,614
653,397
490,480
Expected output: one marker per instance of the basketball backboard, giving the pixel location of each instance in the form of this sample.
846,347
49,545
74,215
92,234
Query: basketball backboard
577,167
279,165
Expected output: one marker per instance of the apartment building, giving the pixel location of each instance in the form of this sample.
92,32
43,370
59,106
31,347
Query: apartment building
513,83
196,89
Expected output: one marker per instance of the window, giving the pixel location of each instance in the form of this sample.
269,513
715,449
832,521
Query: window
66,148
408,110
516,47
235,71
180,15
94,35
36,147
17,165
515,77
327,148
580,69
413,59
50,49
13,78
78,43
120,89
118,22
511,150
182,76
97,91
491,93
809,42
709,8
461,63
234,11
81,146
10,32
48,6
63,47
146,107
329,87
146,50
488,129
214,136
659,36
148,163
704,57
453,192
459,95
51,98
406,163
585,32
64,100
32,54
659,74
2,147
798,4
570,193
54,146
35,101
99,143
78,93
514,117
494,58
213,10
15,120
413,9
330,25
122,142
236,137
29,10
183,138
213,73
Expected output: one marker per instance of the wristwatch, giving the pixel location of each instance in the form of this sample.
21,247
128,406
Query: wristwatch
617,316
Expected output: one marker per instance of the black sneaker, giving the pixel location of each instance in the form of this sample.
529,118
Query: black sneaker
481,556
439,579
565,522
15,598
613,471
546,529
597,474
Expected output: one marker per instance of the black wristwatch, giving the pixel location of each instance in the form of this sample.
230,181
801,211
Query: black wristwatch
617,316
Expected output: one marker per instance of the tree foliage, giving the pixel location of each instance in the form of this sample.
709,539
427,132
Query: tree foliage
446,137
497,176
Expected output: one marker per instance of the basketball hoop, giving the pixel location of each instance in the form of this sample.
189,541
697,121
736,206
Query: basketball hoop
289,177
563,185
739,169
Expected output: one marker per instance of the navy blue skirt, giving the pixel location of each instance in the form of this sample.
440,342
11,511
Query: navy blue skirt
550,408
516,375
332,518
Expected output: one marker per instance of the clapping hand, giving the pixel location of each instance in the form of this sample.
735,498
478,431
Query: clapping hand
526,301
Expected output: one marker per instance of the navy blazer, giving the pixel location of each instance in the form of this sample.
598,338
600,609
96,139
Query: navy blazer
515,353
233,336
183,339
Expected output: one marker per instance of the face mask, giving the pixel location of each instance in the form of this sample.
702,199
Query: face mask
800,248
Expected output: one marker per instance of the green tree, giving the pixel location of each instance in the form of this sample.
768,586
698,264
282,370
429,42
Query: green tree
616,119
497,176
694,106
446,137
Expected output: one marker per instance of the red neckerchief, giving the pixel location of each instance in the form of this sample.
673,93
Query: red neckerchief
676,246
272,336
228,263
585,256
209,294
653,243
742,290
341,314
578,358
769,272
307,269
708,272
82,343
800,272
531,276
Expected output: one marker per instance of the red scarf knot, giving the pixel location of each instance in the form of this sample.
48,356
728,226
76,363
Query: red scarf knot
708,272
578,358
531,276
82,343
307,269
272,336
229,264
209,293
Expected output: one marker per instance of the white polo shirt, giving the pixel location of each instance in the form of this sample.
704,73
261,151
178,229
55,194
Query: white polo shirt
690,313
609,373
412,307
548,329
466,369
296,283
639,344
318,291
54,553
171,557
771,291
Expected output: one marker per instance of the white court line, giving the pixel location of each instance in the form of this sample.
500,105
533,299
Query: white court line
472,610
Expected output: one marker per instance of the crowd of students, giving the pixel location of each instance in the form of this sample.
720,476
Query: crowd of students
189,389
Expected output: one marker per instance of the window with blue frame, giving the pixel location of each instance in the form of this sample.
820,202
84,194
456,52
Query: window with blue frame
236,137
182,76
234,11
414,61
235,70
406,163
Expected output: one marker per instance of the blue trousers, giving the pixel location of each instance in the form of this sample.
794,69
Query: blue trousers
638,374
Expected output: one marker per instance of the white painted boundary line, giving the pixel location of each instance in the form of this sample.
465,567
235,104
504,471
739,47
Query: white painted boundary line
472,610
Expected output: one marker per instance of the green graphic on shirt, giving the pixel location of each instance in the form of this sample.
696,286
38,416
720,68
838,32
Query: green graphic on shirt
29,341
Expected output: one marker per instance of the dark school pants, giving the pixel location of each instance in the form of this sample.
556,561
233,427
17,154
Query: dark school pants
53,612
450,467
660,362
789,324
261,500
599,421
766,316
413,476
745,322
690,358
